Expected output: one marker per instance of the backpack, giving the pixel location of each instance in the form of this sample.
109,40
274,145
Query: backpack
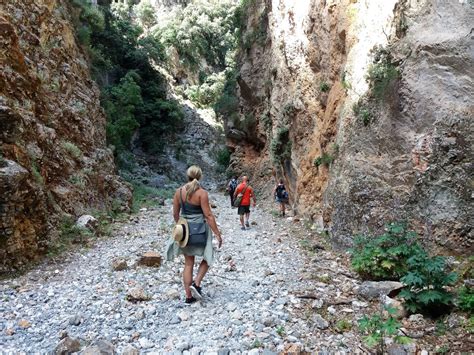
233,184
281,191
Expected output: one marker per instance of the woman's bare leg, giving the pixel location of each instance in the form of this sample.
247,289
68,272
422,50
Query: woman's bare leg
188,274
203,267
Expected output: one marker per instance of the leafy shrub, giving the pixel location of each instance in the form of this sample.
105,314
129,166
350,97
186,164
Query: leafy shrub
426,280
324,87
362,113
228,103
466,299
36,173
266,119
381,73
145,13
343,325
120,103
72,149
377,328
84,35
280,146
327,158
208,93
147,196
223,158
203,29
386,256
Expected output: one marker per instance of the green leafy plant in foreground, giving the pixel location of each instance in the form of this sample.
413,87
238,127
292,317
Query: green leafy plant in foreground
385,257
426,281
466,299
376,328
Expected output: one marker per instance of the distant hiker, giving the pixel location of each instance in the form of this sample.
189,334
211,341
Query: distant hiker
231,186
281,196
244,192
192,234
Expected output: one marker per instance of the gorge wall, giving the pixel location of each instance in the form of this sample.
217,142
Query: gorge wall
408,156
55,162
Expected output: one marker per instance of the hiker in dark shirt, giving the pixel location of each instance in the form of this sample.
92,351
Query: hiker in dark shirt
231,186
281,196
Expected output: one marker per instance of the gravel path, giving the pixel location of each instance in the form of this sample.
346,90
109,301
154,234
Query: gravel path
256,293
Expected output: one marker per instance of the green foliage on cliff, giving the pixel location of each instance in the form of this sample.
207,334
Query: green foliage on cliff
133,91
203,29
382,72
465,299
280,146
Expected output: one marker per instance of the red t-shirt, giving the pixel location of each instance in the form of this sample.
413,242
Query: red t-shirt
247,194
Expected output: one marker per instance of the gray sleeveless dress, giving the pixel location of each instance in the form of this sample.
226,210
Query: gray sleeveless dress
192,213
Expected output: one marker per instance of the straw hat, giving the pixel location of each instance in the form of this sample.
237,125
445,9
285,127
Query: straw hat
181,232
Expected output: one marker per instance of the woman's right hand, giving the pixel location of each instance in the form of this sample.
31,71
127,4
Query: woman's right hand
219,239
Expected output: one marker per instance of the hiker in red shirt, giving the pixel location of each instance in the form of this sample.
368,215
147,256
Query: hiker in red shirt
244,208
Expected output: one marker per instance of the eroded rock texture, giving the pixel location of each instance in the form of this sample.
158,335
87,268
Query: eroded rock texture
52,130
304,72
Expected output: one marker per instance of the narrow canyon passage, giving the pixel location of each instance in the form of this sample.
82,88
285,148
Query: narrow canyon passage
265,290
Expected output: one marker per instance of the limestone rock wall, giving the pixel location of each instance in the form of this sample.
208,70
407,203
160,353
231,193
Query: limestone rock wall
412,162
52,130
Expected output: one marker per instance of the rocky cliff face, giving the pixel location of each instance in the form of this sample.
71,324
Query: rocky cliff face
407,156
52,130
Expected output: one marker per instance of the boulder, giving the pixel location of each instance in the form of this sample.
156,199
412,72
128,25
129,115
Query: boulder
130,350
88,222
99,347
119,264
67,346
400,311
137,294
150,258
375,289
320,322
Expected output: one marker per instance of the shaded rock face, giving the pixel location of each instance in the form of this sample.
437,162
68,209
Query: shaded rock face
52,130
412,162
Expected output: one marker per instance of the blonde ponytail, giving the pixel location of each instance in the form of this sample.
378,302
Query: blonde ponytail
191,188
194,174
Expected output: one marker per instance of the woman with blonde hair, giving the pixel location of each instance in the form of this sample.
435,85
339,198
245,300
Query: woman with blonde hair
192,212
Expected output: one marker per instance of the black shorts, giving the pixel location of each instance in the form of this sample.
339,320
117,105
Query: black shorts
243,210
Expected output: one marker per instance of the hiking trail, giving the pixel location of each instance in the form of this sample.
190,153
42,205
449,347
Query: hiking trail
266,290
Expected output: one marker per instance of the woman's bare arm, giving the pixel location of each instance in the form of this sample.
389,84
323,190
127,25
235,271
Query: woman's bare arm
176,205
206,209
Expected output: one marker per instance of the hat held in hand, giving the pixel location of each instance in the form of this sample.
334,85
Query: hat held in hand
181,232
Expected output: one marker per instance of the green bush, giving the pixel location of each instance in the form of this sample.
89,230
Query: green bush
385,257
362,113
204,29
147,196
466,299
426,281
84,35
72,149
381,73
324,87
280,146
267,121
325,159
223,158
208,93
36,173
377,328
120,103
